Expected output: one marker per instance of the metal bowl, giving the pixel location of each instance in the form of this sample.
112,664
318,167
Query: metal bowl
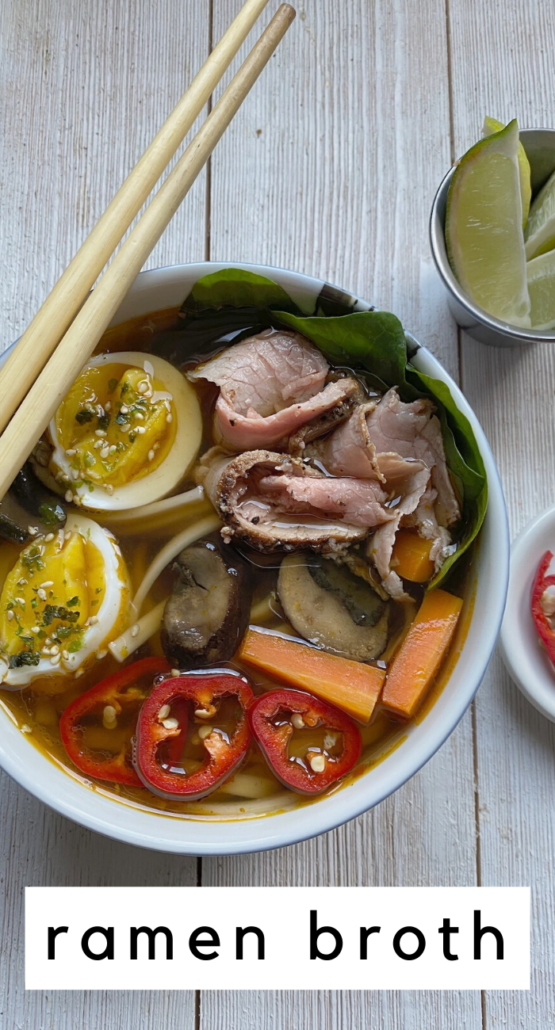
539,145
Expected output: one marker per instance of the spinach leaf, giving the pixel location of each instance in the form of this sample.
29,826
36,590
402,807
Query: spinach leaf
374,340
236,288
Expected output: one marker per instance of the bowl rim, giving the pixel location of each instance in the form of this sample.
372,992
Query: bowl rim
438,247
93,809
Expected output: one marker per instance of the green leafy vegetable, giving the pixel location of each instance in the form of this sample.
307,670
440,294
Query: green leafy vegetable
17,661
52,514
57,611
236,288
85,415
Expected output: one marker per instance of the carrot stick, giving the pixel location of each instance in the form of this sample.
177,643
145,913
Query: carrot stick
417,662
411,557
351,686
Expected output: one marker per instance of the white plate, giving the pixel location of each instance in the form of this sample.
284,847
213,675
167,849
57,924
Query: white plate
526,660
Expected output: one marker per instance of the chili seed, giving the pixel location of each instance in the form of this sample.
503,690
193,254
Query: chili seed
317,763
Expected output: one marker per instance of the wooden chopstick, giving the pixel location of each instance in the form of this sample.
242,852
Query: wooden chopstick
62,304
51,385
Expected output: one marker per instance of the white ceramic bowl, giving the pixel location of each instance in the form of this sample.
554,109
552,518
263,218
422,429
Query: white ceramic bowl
167,287
526,660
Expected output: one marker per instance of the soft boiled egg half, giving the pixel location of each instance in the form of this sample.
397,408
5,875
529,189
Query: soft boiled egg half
65,599
126,433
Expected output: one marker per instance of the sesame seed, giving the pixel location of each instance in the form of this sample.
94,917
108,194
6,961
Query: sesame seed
169,418
26,728
297,721
113,448
101,654
55,649
70,452
100,432
138,414
202,713
46,651
75,473
47,583
65,656
35,629
93,620
49,538
108,406
135,630
204,732
32,531
104,452
142,387
41,594
175,672
22,582
69,497
124,410
140,430
156,447
109,489
164,712
98,444
10,615
55,660
21,601
170,724
151,455
317,763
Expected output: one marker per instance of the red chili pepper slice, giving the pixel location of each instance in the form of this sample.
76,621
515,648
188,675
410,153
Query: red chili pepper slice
123,691
272,720
541,582
155,730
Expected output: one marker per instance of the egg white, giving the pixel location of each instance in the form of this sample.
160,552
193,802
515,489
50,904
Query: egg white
169,474
111,613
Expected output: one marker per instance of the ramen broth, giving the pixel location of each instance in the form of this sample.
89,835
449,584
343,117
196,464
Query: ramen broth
37,708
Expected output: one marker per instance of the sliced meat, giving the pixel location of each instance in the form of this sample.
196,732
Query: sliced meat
266,373
247,432
411,483
413,431
274,501
349,451
272,385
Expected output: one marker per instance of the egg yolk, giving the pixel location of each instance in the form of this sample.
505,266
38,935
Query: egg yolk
116,425
49,597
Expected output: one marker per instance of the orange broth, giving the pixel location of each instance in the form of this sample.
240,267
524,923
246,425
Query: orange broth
37,708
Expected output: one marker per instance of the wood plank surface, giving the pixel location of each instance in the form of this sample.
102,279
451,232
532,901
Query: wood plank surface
501,65
84,88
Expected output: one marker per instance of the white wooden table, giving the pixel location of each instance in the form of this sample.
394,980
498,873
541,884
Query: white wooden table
330,169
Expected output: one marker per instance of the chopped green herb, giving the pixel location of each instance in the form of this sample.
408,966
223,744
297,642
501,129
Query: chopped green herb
52,514
103,421
17,661
121,419
72,602
124,389
75,645
85,415
57,611
132,437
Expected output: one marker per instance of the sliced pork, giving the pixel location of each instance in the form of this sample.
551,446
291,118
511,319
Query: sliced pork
273,501
271,385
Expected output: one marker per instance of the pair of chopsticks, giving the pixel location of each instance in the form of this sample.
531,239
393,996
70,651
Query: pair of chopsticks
65,331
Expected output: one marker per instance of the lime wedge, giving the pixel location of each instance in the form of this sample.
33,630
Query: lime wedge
540,230
490,126
483,227
541,285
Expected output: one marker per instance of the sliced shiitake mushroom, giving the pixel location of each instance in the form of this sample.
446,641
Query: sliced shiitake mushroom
207,612
329,606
